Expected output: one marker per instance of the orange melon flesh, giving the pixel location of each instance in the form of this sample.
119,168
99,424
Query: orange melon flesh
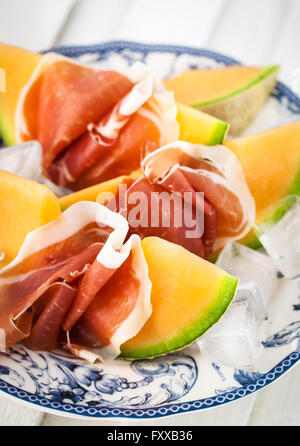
18,65
100,192
201,87
24,206
188,296
271,162
234,94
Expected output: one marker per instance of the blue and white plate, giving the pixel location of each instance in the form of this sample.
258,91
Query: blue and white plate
183,381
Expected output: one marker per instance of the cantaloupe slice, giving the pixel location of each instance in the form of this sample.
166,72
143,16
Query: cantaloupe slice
271,162
18,65
200,128
24,206
234,94
100,192
188,296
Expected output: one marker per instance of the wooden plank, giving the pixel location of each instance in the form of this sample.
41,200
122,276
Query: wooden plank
185,23
15,414
179,22
249,31
53,420
287,50
279,403
93,21
33,24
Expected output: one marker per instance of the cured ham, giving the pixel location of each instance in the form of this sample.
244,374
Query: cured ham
93,124
61,98
118,312
46,329
100,137
151,217
227,208
65,267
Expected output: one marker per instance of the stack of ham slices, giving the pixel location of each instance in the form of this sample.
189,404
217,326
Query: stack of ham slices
81,281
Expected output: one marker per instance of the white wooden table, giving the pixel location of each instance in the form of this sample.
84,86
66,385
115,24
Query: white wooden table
253,31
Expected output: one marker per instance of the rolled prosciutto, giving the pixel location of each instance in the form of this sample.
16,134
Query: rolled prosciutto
93,124
179,171
76,284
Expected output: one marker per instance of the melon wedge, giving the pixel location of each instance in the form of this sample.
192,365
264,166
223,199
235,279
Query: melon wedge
234,94
200,128
271,162
24,206
100,192
188,296
18,65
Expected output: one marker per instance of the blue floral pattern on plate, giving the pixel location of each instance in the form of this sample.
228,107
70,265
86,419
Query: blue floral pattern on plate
58,377
182,381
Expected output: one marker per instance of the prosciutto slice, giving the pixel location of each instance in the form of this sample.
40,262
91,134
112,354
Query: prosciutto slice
118,312
46,329
61,98
149,217
93,124
226,207
216,172
61,269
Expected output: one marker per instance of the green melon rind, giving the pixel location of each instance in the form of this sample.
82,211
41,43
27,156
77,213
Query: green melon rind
268,222
277,215
218,133
262,75
5,133
283,206
215,129
253,243
240,107
218,307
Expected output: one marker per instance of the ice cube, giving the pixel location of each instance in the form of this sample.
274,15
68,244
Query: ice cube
253,269
59,191
23,159
281,239
26,160
235,341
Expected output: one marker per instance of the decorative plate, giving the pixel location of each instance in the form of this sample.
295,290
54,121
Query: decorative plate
183,381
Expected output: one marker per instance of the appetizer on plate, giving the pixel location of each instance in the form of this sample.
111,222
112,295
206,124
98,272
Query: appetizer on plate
94,124
75,283
120,264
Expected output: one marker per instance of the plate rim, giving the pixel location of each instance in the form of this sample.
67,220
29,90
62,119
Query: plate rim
162,411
